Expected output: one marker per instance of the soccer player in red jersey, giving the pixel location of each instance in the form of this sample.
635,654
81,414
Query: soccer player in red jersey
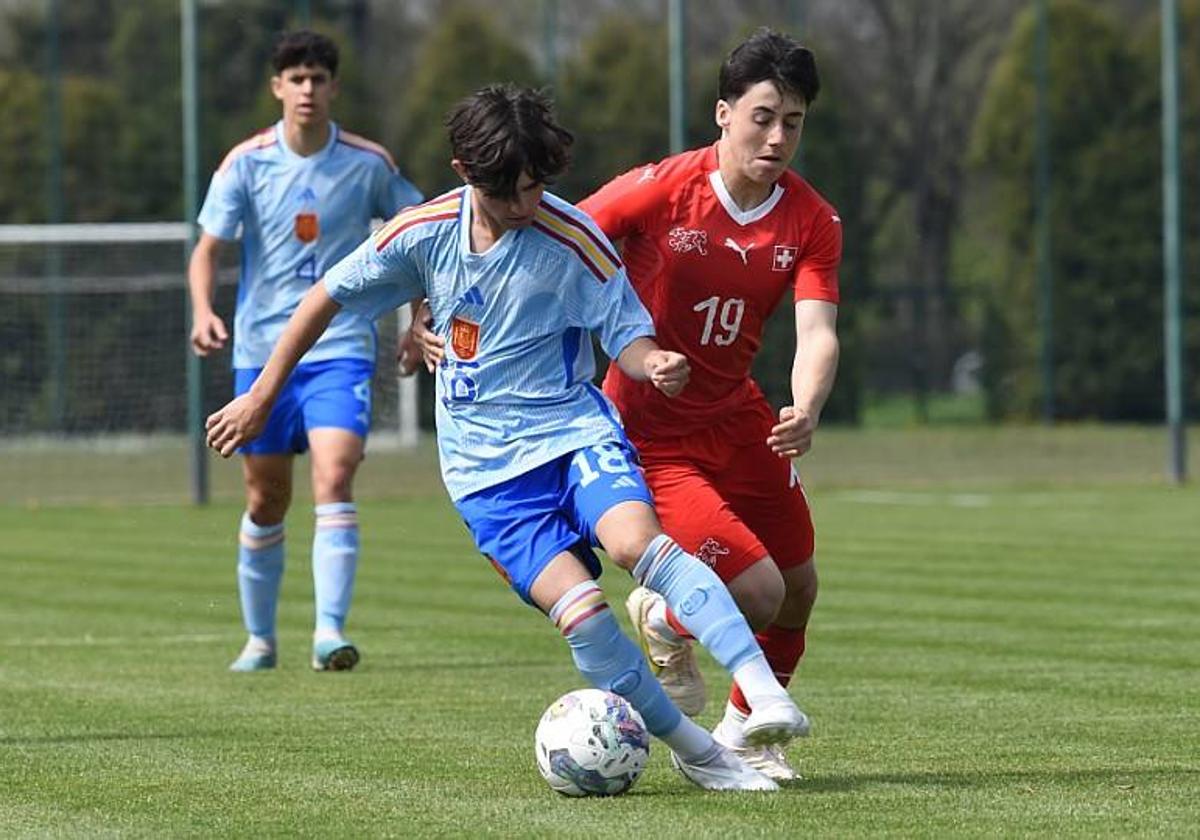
713,239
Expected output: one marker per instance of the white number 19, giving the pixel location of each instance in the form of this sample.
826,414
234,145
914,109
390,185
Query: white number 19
730,320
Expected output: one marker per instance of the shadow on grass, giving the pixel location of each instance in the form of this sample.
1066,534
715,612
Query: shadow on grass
1028,779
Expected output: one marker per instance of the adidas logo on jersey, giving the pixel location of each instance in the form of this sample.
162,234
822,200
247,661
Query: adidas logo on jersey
624,481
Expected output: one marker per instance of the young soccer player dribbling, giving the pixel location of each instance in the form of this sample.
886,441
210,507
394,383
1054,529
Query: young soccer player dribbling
713,238
302,193
532,454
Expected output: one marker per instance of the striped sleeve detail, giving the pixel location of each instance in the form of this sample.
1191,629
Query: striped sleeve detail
588,603
256,141
439,209
591,249
357,141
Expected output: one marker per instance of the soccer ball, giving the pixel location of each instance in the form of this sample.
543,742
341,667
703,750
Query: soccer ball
591,743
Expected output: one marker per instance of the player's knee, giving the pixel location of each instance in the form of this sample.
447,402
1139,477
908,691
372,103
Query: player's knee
628,546
334,482
267,504
760,593
801,594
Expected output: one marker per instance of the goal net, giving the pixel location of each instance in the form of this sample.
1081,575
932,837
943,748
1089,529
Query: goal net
93,364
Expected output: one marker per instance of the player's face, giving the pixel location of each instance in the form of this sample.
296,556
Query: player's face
762,129
517,211
306,92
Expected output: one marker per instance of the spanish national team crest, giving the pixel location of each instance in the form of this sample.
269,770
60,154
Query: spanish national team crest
308,228
785,258
464,338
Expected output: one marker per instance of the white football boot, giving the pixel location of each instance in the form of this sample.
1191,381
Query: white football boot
775,723
768,760
671,660
723,771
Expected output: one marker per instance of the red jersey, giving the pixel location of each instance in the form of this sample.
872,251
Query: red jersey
710,274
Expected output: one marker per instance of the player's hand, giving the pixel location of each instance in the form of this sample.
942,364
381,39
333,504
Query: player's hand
667,371
208,333
408,355
792,436
431,345
238,423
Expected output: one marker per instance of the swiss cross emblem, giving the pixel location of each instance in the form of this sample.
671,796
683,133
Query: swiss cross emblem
464,338
785,258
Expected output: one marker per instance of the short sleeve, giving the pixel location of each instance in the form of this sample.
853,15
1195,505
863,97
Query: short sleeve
393,193
224,205
816,275
611,309
370,281
622,207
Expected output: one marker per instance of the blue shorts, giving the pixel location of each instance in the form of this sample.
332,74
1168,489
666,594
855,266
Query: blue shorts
334,393
525,522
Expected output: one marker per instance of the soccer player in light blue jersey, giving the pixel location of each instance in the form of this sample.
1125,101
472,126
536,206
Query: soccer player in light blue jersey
301,195
532,454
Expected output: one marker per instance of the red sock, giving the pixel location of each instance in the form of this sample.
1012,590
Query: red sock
674,624
783,646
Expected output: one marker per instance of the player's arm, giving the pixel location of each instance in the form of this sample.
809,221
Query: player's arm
208,330
814,368
243,419
420,342
643,360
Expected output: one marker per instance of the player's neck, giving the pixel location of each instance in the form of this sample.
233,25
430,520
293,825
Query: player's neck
746,193
306,140
485,231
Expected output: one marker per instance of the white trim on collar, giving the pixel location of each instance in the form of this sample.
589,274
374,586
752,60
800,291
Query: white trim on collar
743,217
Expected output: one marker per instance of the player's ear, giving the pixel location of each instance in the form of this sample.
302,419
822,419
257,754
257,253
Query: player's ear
277,87
723,114
459,169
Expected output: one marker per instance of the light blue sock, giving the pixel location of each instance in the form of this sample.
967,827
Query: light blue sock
610,661
334,561
260,569
700,601
608,658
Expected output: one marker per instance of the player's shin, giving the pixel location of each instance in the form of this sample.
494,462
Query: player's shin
704,606
334,562
260,570
611,661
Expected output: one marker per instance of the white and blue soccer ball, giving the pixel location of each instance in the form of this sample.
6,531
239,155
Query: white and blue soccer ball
591,743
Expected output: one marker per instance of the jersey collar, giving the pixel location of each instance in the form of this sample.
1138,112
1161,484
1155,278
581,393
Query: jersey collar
743,217
295,158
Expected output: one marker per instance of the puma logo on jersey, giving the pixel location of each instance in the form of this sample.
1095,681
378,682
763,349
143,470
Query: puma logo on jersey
681,240
741,252
648,172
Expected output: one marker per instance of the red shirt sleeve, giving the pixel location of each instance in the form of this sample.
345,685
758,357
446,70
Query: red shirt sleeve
817,271
622,206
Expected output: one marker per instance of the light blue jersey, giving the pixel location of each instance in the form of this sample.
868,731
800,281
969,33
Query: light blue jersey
298,216
514,391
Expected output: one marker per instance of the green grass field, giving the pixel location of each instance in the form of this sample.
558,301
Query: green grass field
1006,644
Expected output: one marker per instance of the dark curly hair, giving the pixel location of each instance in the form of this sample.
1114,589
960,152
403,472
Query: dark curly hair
295,49
502,130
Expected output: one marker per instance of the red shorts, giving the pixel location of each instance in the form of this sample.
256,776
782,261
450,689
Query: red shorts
729,504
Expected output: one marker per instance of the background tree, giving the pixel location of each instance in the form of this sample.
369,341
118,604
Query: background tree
1105,219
